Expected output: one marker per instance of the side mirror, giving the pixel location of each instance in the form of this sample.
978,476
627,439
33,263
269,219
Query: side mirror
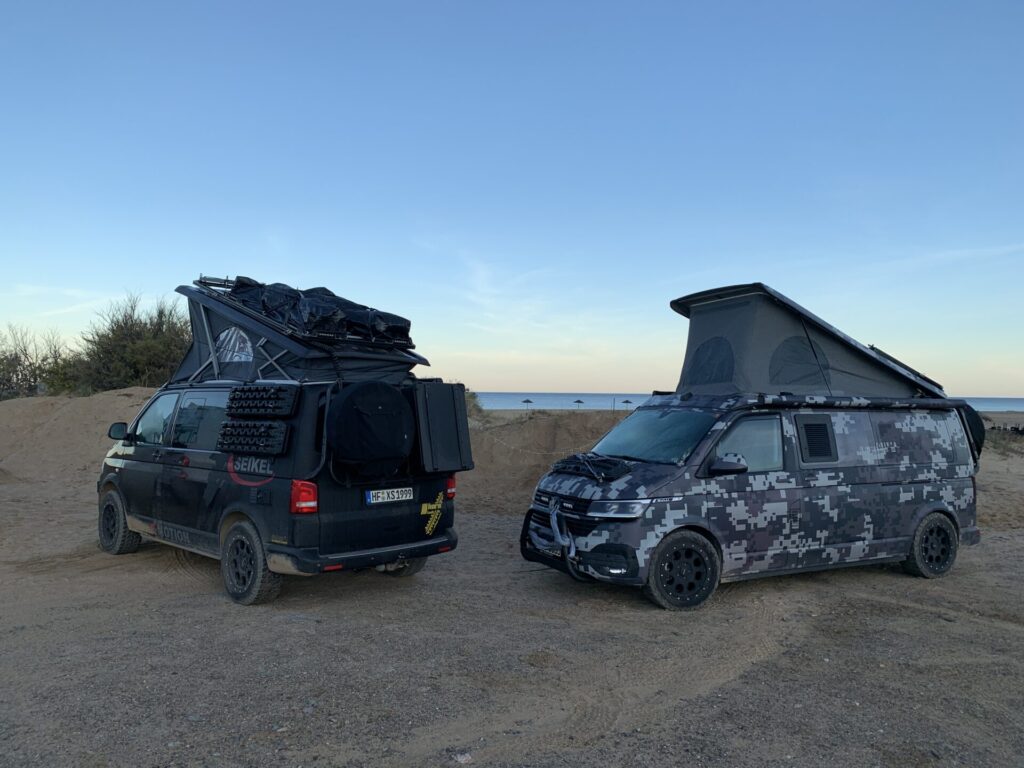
729,464
118,431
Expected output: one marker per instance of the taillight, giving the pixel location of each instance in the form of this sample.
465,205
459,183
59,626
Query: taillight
449,490
304,497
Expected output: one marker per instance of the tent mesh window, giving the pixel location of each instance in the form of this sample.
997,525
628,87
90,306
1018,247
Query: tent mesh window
817,443
233,346
713,363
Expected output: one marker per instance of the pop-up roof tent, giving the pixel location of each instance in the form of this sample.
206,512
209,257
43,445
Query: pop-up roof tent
244,330
752,339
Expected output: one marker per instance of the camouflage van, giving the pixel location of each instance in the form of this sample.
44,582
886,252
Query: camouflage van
787,447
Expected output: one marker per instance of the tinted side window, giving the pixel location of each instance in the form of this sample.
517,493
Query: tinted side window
152,425
854,436
197,424
957,436
914,437
758,440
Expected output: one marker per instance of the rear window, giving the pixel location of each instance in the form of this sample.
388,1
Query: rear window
660,435
197,425
916,437
152,424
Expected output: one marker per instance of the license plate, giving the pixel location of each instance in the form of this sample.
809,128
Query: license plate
388,495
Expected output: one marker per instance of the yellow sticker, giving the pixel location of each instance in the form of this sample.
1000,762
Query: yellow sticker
434,510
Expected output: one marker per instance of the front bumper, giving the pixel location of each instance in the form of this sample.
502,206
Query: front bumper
308,562
612,563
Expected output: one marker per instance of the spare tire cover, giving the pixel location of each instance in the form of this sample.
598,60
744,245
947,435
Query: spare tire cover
370,422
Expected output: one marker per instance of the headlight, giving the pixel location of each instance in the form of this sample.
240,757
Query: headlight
619,509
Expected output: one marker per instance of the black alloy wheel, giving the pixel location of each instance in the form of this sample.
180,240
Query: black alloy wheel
683,572
108,525
243,565
934,547
112,525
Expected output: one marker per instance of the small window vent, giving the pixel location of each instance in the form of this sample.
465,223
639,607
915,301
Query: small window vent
816,441
818,444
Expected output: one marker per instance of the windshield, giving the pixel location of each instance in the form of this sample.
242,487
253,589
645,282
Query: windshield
661,435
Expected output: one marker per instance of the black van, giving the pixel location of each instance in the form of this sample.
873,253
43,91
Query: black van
293,440
787,446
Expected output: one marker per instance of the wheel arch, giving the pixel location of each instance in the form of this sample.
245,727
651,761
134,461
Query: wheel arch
928,509
230,518
109,482
704,531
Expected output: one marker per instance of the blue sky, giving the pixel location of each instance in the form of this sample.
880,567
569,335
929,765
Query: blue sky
530,182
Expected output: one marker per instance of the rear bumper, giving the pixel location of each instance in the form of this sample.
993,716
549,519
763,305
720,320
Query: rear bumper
307,562
970,535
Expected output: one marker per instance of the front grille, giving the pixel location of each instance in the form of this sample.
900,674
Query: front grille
576,526
542,499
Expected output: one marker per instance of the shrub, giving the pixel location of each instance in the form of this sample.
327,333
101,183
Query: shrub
127,346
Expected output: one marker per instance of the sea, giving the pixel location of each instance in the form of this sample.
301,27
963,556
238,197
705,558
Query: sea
626,401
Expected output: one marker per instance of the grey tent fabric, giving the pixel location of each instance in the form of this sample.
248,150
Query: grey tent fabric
752,339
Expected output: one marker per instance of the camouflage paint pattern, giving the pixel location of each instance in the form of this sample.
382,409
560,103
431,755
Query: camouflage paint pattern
895,463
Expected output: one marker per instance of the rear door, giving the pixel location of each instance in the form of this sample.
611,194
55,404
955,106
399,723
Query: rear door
139,481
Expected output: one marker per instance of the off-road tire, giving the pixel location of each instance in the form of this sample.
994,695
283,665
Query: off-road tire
411,568
933,548
243,566
112,525
684,572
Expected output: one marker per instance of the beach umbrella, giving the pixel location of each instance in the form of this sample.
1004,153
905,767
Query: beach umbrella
528,403
627,402
578,404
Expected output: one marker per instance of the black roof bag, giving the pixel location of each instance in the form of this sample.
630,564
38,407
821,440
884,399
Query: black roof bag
318,311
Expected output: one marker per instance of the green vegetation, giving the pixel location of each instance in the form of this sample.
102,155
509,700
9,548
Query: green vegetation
1004,441
127,346
473,408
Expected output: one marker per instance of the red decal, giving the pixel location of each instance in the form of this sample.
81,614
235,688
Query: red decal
236,478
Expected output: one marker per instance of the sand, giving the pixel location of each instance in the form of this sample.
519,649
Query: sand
484,658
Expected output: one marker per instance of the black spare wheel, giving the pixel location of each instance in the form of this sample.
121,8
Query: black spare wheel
934,546
243,564
371,428
683,572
